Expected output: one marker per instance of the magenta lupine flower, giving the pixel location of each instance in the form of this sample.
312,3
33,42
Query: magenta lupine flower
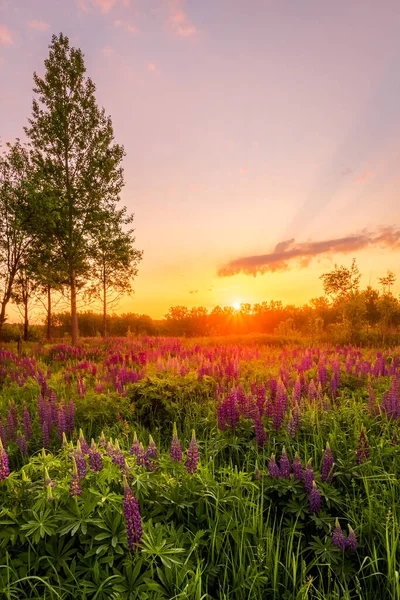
135,448
83,443
221,415
132,518
338,538
151,455
308,477
117,456
22,445
62,420
192,457
75,485
297,468
40,408
27,422
261,436
175,450
12,421
362,451
296,391
284,465
327,465
80,461
273,468
95,460
315,499
351,542
141,456
70,416
45,434
2,433
4,468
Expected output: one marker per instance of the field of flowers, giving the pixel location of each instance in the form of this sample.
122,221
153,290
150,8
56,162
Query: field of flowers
157,468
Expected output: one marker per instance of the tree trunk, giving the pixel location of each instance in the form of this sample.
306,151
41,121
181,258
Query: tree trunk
74,315
104,304
2,316
48,332
26,320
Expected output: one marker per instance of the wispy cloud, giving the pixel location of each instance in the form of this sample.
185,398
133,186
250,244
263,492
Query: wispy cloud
179,20
105,6
38,25
125,26
288,253
5,36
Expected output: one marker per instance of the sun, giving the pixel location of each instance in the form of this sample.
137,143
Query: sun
236,305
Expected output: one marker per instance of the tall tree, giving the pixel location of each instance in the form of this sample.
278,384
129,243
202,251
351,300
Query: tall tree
16,211
388,281
342,280
73,147
114,262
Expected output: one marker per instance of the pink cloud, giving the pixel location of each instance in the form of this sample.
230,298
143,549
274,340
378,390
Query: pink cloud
5,36
105,6
125,26
179,20
151,67
38,25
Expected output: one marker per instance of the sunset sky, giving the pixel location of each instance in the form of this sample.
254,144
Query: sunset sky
262,136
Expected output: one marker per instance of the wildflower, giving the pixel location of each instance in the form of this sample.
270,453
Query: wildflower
132,518
62,420
102,441
49,493
95,461
261,436
327,465
4,468
297,468
175,450
118,456
338,538
192,458
75,485
70,416
22,445
284,465
308,476
273,468
45,433
27,422
351,542
362,451
64,443
315,499
134,450
151,455
2,433
47,479
80,461
83,442
12,421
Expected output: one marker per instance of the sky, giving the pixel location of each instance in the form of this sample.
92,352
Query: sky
262,137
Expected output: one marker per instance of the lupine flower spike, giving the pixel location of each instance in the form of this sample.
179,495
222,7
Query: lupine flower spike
175,450
315,499
338,538
362,451
132,518
284,465
83,442
47,479
4,468
308,476
351,542
273,468
75,485
297,468
192,458
327,465
95,461
135,445
49,493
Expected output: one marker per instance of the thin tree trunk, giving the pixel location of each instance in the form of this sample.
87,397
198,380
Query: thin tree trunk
2,315
104,303
26,320
48,332
74,315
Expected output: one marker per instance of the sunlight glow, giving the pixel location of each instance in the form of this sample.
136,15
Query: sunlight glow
236,305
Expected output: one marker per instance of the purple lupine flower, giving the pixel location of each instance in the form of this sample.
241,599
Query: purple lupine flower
83,443
70,409
297,468
315,499
27,422
141,456
45,434
192,457
12,421
351,542
102,441
117,456
338,538
95,460
134,450
80,461
362,451
2,433
151,455
75,485
47,479
4,467
308,477
175,450
284,465
327,465
296,391
261,436
22,445
273,468
40,408
132,518
62,420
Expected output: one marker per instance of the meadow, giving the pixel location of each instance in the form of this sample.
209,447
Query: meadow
161,468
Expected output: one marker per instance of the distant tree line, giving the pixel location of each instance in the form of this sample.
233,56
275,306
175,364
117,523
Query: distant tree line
61,228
